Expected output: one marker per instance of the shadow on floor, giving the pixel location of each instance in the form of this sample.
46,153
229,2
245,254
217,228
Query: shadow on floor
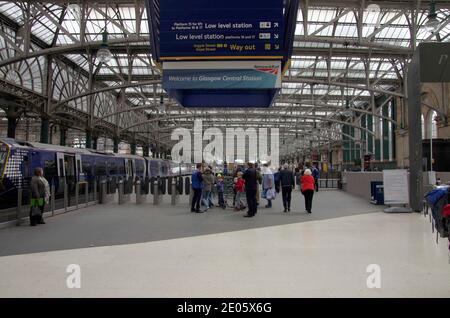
104,225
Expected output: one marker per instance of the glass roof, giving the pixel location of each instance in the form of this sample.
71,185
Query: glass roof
335,58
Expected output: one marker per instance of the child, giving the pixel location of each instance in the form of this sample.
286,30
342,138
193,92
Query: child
220,188
239,186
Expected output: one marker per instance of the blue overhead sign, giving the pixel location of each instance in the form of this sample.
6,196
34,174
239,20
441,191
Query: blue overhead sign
229,29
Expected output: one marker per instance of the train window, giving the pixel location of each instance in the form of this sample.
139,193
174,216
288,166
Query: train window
69,162
3,156
112,168
87,168
121,168
100,168
26,167
139,167
50,169
61,167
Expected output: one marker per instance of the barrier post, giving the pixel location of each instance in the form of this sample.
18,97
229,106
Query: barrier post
86,194
52,199
19,206
65,197
137,190
191,195
102,196
121,194
155,193
174,200
95,190
77,190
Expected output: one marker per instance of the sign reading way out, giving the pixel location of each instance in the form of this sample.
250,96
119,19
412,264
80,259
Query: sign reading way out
205,28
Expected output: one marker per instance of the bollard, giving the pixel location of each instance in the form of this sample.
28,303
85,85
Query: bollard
19,207
156,193
174,200
137,190
77,190
191,195
65,197
86,195
121,194
52,199
95,190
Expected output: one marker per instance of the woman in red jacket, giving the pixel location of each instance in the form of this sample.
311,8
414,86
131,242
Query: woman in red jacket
308,187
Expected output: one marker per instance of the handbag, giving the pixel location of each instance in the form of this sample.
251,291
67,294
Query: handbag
37,202
264,194
271,194
35,211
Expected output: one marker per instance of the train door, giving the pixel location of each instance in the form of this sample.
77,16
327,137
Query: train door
78,171
129,172
60,165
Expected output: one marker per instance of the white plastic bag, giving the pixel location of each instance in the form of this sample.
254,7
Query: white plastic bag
271,194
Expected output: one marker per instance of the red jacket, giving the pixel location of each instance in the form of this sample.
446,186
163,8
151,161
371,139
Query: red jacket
239,185
307,183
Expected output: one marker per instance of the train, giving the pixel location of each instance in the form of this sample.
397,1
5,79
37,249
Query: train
18,160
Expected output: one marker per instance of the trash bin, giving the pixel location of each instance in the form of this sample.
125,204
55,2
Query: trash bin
377,192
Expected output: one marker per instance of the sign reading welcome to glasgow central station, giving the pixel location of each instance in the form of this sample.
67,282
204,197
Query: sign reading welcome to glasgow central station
221,54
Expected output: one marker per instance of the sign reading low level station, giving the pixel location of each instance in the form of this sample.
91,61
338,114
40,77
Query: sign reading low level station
230,29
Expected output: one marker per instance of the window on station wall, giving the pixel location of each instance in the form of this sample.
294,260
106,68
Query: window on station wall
433,125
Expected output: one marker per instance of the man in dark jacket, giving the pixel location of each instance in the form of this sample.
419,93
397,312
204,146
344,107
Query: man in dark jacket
251,185
316,174
197,186
287,183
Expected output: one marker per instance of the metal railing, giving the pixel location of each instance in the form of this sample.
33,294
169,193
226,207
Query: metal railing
65,197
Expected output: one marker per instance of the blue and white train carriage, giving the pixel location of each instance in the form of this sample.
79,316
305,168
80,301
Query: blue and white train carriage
19,159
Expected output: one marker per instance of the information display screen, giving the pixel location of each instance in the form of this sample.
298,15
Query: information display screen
230,29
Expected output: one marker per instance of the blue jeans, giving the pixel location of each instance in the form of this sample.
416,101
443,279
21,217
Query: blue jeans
207,199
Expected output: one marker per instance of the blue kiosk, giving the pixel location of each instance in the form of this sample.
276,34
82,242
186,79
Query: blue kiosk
227,54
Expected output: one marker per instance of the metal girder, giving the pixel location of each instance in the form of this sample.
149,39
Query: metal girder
265,115
102,90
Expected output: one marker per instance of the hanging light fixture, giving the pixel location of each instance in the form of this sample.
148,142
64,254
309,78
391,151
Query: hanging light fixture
104,54
432,25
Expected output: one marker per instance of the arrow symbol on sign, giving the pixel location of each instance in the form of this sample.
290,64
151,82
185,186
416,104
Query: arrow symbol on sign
275,24
276,36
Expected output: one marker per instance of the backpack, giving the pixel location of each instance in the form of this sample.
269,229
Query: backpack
439,200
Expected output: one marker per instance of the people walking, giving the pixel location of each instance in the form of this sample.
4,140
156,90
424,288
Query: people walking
287,182
208,181
39,195
259,179
220,186
251,185
316,174
308,189
239,188
197,187
276,177
268,184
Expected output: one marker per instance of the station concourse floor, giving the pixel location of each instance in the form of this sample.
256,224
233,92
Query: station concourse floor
165,251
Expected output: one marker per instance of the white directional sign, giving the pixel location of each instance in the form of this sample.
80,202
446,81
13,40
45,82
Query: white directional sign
396,190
